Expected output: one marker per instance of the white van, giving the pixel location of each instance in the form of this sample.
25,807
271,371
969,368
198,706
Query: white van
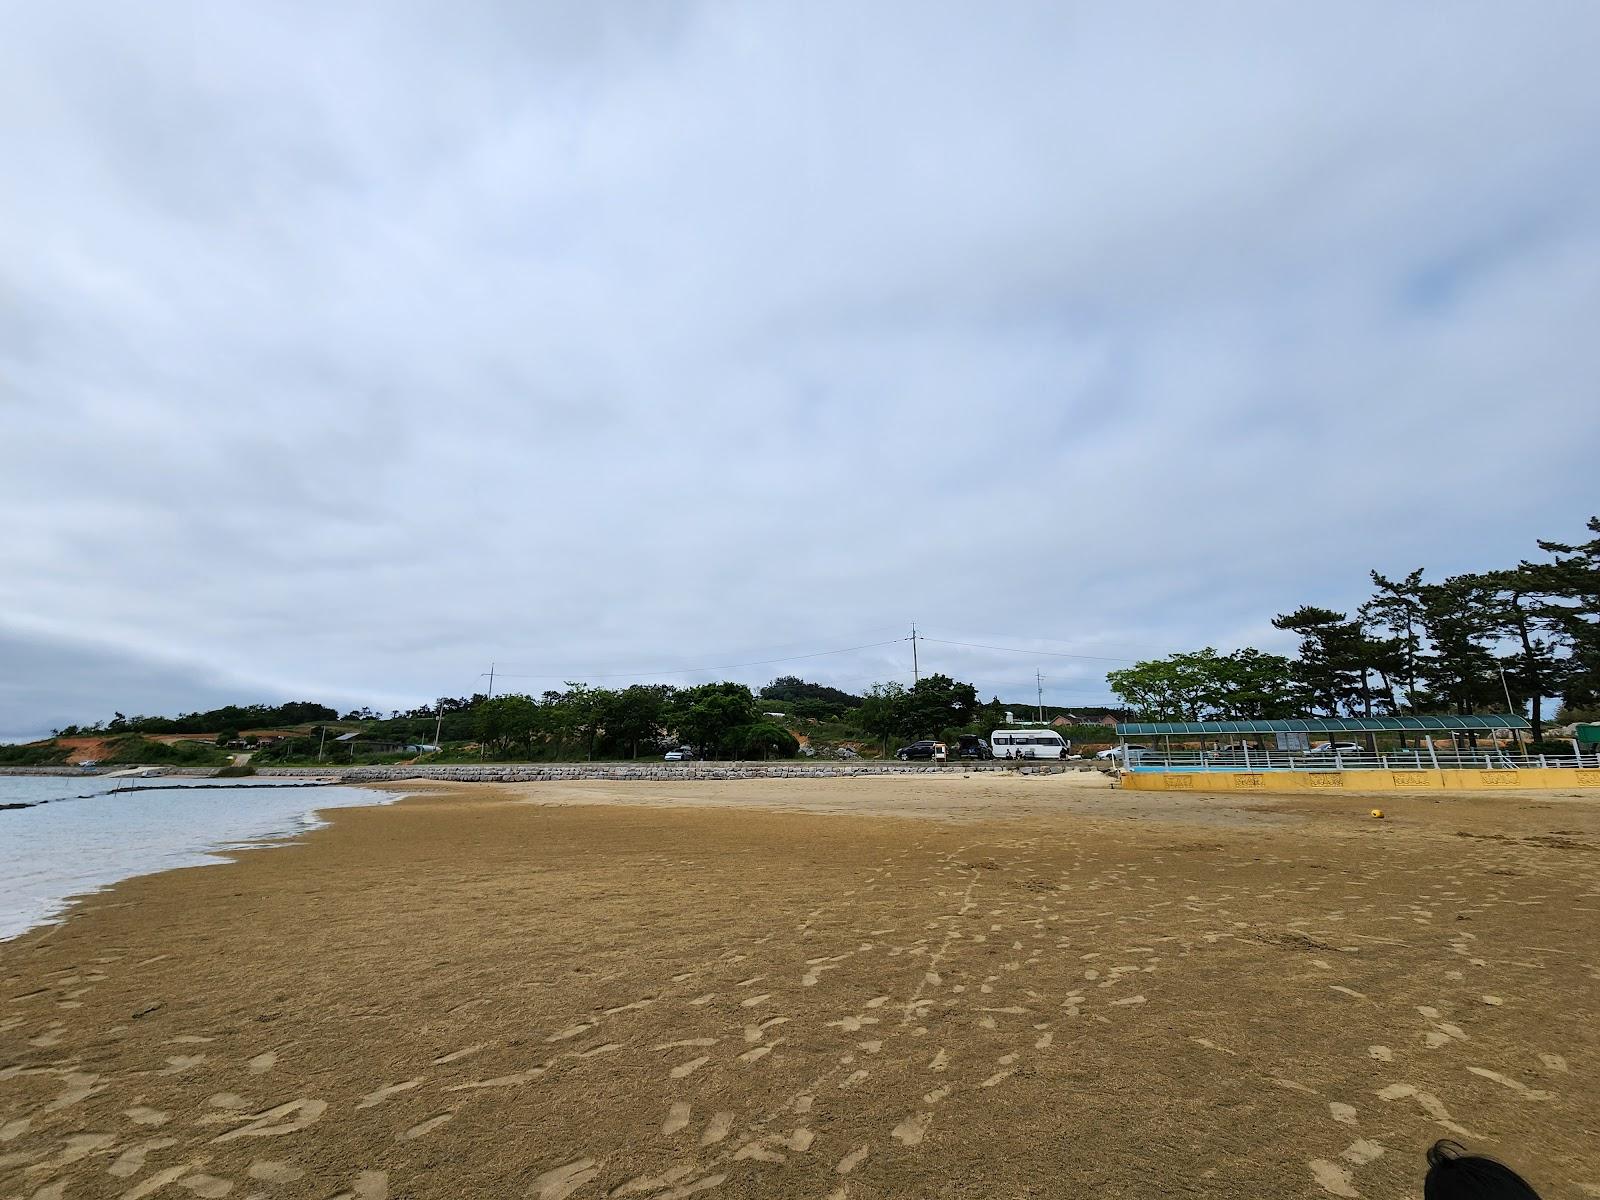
1027,743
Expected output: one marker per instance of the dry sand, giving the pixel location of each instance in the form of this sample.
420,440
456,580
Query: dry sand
936,987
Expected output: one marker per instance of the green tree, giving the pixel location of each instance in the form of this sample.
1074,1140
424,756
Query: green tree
761,740
705,716
937,704
1202,685
1460,672
1568,606
507,722
637,715
1395,611
1334,667
882,712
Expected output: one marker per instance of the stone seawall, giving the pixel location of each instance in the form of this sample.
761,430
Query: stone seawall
657,771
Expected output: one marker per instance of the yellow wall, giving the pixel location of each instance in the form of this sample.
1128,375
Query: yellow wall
1356,781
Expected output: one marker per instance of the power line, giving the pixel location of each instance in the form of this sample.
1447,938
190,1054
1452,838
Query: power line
1020,650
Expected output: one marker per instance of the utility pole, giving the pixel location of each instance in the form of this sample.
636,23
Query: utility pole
1038,680
322,743
481,751
1511,710
916,671
438,722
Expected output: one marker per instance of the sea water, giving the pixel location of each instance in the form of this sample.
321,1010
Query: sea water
82,836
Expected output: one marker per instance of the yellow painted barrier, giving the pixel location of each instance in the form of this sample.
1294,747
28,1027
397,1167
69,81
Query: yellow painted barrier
1358,781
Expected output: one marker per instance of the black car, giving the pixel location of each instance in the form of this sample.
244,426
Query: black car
973,746
922,749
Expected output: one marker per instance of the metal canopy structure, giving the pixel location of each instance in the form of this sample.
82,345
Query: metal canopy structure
1329,725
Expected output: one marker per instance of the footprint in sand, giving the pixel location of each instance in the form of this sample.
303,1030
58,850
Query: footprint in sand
570,1032
1333,1178
262,1063
1522,1089
852,1024
154,1183
852,1160
752,1033
499,1081
688,1044
207,1187
677,1118
1345,1114
912,1130
637,1004
271,1171
760,1052
1361,1151
562,1181
272,1123
940,1061
717,1128
424,1128
1381,1053
688,1068
131,1161
761,1150
854,1078
1554,1062
140,1115
383,1093
1430,1103
368,1185
457,1055
752,1001
654,1183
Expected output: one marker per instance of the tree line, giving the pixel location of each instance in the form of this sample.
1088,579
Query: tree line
232,716
1469,643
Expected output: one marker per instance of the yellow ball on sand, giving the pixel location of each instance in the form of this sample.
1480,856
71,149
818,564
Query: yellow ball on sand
1378,812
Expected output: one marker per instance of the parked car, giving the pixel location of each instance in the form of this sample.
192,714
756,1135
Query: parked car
1329,749
1134,752
970,745
681,754
922,749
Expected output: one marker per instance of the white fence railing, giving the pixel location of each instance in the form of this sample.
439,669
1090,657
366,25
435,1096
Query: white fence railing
1420,759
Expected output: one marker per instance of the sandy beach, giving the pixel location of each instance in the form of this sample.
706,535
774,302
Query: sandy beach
924,987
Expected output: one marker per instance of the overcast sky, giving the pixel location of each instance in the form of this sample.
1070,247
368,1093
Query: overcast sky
346,349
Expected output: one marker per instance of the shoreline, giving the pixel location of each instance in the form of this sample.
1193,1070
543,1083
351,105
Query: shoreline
550,991
50,907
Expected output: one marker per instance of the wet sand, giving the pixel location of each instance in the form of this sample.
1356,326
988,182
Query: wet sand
935,987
